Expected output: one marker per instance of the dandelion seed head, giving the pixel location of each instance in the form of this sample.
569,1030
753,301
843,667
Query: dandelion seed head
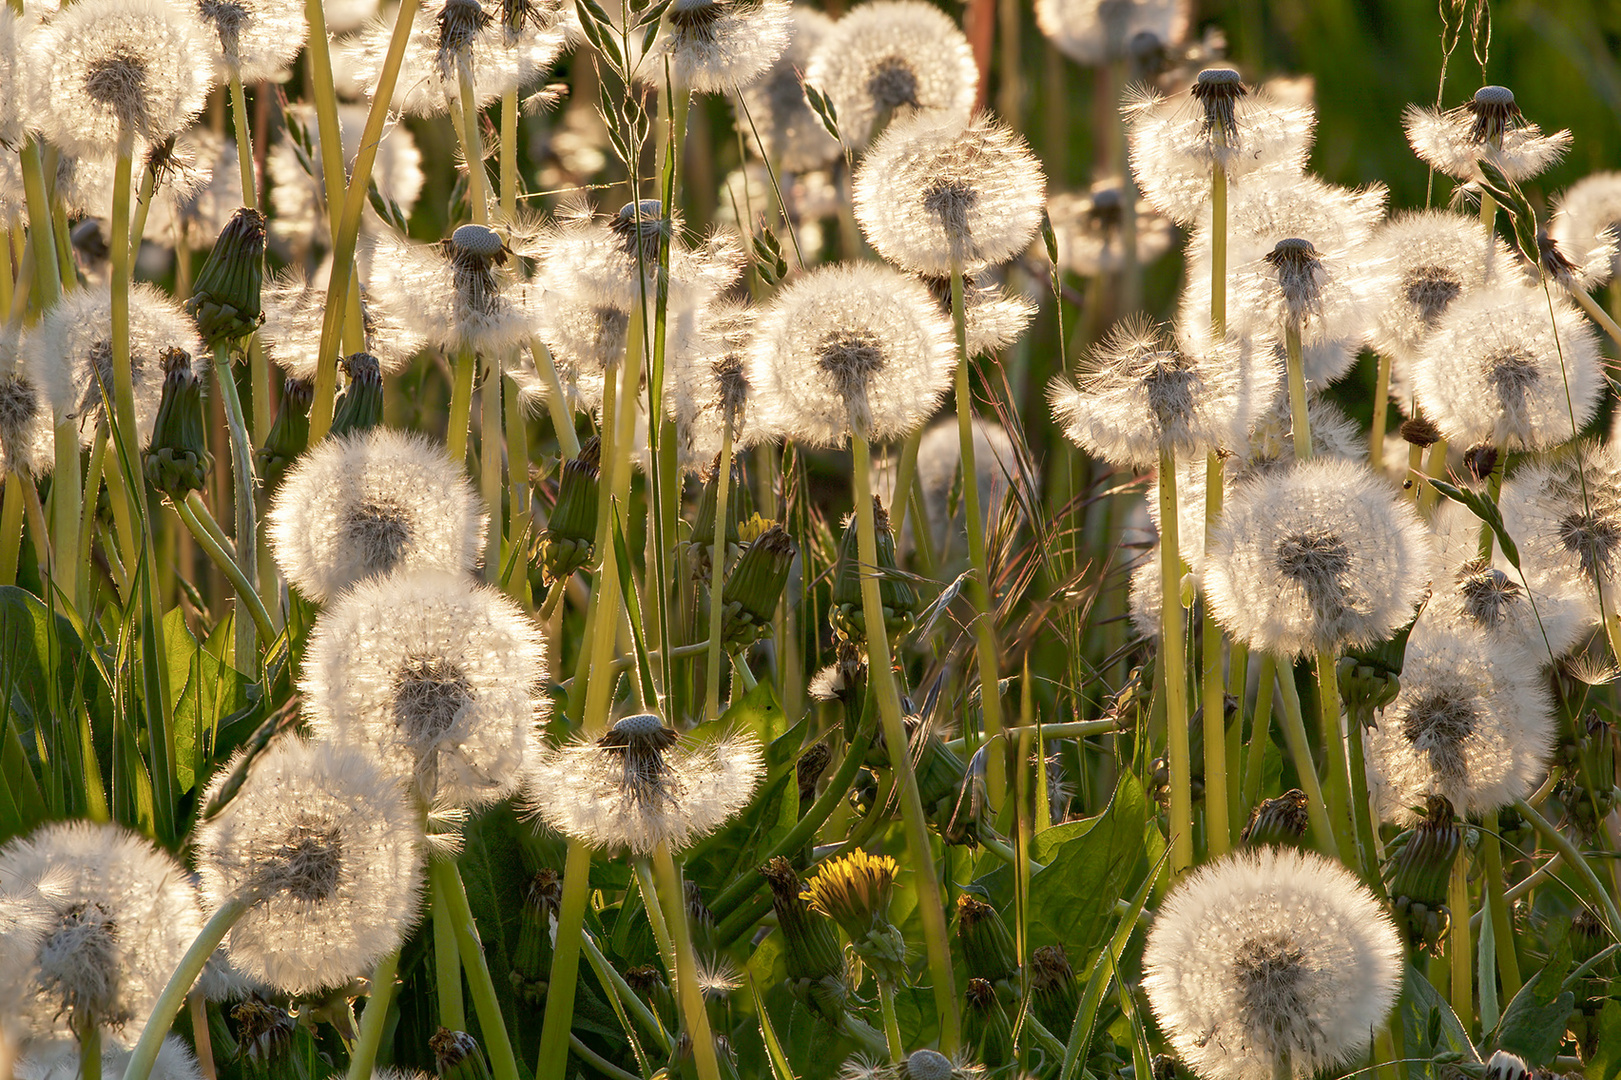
1436,258
1564,513
1496,370
1470,724
792,135
1586,224
706,386
259,38
295,308
1094,32
442,676
1319,556
716,46
454,297
1489,129
854,347
370,503
993,318
1271,953
324,842
26,438
1088,228
62,1061
893,57
16,98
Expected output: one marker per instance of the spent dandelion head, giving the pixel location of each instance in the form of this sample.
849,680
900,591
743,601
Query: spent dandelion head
1435,257
640,785
792,136
933,193
323,844
370,503
1271,958
850,348
1090,231
890,57
1586,221
1470,724
118,916
1095,32
1498,369
715,46
1489,129
1321,555
459,294
443,677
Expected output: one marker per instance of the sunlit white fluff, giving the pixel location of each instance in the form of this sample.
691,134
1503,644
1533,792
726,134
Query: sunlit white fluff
61,1061
851,348
1470,724
1436,257
891,57
1271,955
640,785
939,474
1322,555
442,676
1088,228
16,98
1587,220
1564,513
370,503
26,436
1490,130
458,294
1094,32
294,311
993,317
706,386
715,46
1499,369
297,187
258,38
326,848
793,137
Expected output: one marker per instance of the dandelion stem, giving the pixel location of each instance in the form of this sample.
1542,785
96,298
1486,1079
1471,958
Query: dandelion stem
1218,246
1299,418
123,377
717,572
693,1014
905,471
89,1036
1294,737
47,282
244,138
608,975
1496,904
374,1019
990,687
447,879
559,1016
1340,811
489,459
1458,950
461,404
518,496
1381,414
169,1002
447,964
1177,753
1363,821
1575,859
892,1024
597,1061
556,401
656,922
1434,465
466,112
1260,730
1218,828
881,677
242,472
509,154
193,513
11,527
143,205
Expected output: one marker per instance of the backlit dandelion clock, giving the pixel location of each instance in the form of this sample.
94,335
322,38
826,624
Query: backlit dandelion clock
1587,218
459,294
443,676
26,439
372,503
1090,233
1317,557
1094,32
1273,962
889,58
716,46
792,135
294,308
1436,258
993,317
324,846
257,38
1564,513
1471,724
63,1062
1489,130
706,387
640,785
16,102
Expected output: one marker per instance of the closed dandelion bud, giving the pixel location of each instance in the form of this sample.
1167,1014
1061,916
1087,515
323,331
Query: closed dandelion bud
1055,992
225,301
900,602
855,892
985,1025
703,525
754,587
1420,432
1419,873
178,461
1278,821
1367,687
571,530
815,968
987,945
456,1056
289,434
1588,938
532,959
360,407
649,985
264,1032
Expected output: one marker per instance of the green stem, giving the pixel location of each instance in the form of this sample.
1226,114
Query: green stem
1493,891
489,460
608,975
559,1016
47,282
1294,736
1177,753
521,512
1218,250
374,1020
1299,418
467,113
89,1034
67,435
1340,813
905,472
597,1061
1381,413
242,471
244,139
556,401
892,1024
1575,859
180,982
11,528
881,676
123,377
193,513
1260,731
1362,812
509,154
1494,488
1218,828
447,877
1435,464
143,205
717,574
1598,314
1459,952
447,963
642,867
461,405
693,1014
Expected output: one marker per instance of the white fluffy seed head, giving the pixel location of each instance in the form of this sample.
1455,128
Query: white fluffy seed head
453,299
706,386
1142,392
1488,130
61,1061
933,192
1471,724
1436,257
325,844
16,98
444,677
1587,221
112,69
854,347
259,38
119,914
1088,228
1498,370
1564,513
294,308
643,786
794,137
892,57
1320,556
370,503
1094,32
73,345
26,436
716,46
1271,954
1174,147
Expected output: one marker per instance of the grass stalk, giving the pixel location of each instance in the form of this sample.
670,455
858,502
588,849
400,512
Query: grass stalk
247,547
1177,753
717,574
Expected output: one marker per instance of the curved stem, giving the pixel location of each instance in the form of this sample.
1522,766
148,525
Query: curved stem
374,1019
1178,755
180,982
448,879
242,472
892,1024
1294,736
693,1014
717,574
1575,859
608,975
191,512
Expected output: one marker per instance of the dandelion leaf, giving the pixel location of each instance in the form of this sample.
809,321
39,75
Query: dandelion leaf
1534,1023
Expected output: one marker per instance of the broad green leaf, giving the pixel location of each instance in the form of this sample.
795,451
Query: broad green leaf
1089,865
1605,1063
203,692
1534,1022
1429,1026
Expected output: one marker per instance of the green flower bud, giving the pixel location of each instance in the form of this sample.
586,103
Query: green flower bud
360,406
754,587
225,301
1278,821
815,966
289,434
570,532
985,1025
703,525
1055,993
987,946
457,1057
1420,872
649,985
178,460
532,959
264,1033
899,601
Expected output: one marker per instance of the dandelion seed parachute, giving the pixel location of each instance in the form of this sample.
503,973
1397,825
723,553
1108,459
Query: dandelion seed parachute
1320,556
372,503
1498,370
792,136
325,843
890,57
1088,230
1271,953
715,46
121,914
640,785
1489,130
855,347
62,1062
1587,220
1094,32
1564,513
260,38
932,193
442,676
112,66
1471,724
72,347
